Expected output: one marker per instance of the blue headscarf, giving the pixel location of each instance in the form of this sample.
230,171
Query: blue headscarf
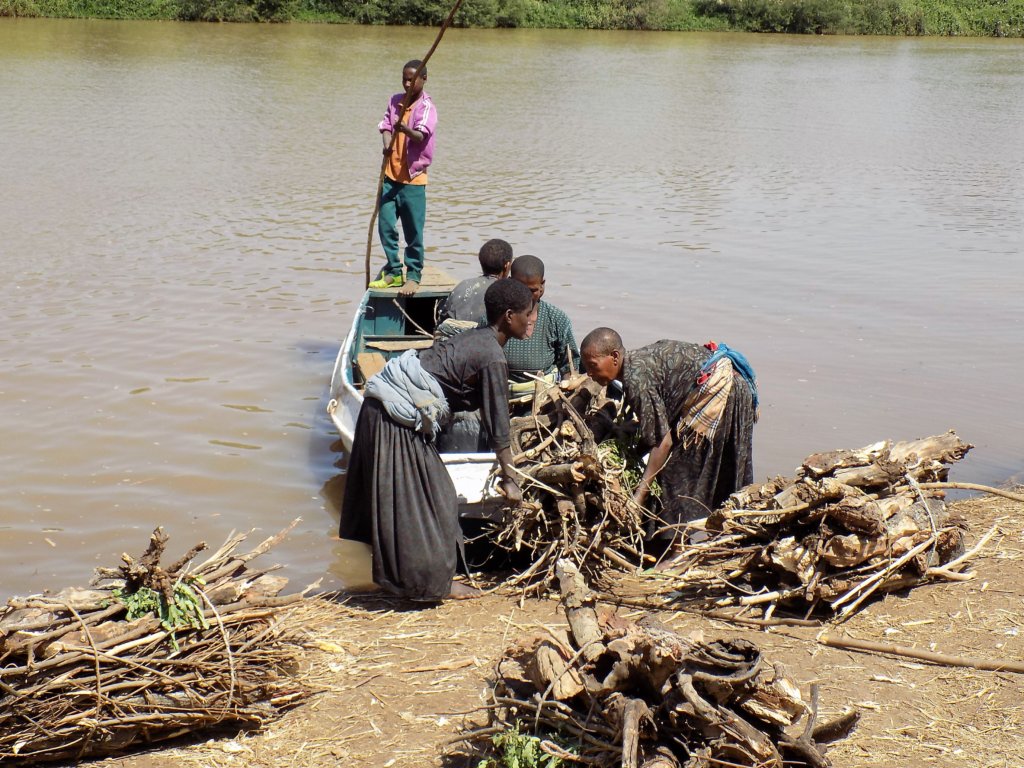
740,364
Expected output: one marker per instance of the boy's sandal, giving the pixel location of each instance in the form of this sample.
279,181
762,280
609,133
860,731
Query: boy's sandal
388,281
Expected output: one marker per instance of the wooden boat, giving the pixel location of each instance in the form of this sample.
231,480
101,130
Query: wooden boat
385,325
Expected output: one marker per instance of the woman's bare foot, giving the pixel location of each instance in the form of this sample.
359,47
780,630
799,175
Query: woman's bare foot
462,591
409,288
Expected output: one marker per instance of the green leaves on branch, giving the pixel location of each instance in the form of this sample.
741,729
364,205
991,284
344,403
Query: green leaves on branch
623,451
185,611
521,750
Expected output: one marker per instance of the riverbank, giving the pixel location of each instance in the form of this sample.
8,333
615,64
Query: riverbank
396,686
970,18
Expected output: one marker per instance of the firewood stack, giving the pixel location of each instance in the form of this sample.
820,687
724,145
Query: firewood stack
612,692
149,653
575,502
852,523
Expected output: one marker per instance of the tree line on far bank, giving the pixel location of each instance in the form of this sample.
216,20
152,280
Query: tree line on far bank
977,18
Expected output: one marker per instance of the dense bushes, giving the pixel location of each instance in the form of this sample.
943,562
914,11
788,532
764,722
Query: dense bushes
871,17
875,17
92,9
572,14
235,10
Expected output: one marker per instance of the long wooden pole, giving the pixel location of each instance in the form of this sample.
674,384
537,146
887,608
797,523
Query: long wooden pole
973,487
394,136
914,653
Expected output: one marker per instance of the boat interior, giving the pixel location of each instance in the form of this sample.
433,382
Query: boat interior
391,324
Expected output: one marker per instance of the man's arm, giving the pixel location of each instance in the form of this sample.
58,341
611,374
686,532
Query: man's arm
411,133
423,118
494,412
655,461
508,483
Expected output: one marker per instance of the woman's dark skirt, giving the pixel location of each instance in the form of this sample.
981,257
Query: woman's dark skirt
699,478
400,499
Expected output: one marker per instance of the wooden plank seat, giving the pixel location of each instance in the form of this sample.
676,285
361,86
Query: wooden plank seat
370,364
400,345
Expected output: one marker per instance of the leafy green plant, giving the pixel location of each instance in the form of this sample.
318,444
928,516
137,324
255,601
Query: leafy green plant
521,750
623,450
185,611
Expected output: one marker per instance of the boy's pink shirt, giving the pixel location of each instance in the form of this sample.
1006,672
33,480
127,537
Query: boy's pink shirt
423,118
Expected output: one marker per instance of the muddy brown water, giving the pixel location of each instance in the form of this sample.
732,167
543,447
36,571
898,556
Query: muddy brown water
183,214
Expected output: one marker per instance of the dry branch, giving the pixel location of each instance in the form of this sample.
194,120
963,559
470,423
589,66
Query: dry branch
850,525
576,504
146,655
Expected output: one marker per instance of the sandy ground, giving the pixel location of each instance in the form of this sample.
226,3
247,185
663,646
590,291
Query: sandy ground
395,684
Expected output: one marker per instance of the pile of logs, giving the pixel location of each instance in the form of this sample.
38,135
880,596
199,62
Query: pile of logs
82,674
575,503
612,692
850,524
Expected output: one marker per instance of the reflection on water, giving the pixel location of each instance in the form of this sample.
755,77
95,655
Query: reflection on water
185,207
349,565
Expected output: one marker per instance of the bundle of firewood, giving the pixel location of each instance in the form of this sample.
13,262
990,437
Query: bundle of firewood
612,692
148,653
576,504
850,524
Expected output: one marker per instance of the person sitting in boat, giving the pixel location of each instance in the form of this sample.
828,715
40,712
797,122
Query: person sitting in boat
550,352
464,308
696,406
404,192
399,497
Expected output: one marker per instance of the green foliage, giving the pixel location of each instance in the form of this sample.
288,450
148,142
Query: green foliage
623,450
1000,18
185,611
19,8
872,17
876,17
521,750
235,10
89,9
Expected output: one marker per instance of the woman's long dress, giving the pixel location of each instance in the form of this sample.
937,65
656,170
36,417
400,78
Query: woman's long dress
399,497
696,478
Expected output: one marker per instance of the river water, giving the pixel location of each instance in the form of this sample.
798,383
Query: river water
183,216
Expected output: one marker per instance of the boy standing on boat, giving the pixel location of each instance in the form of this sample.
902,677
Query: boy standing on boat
404,192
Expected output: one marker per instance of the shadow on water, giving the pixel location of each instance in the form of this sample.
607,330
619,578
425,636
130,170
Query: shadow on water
333,489
348,562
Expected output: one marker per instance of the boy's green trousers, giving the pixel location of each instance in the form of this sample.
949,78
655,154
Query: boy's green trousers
406,203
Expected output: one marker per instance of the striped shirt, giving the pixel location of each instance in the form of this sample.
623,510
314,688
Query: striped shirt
551,346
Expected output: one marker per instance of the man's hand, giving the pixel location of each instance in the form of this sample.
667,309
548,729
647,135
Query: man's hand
411,133
511,490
